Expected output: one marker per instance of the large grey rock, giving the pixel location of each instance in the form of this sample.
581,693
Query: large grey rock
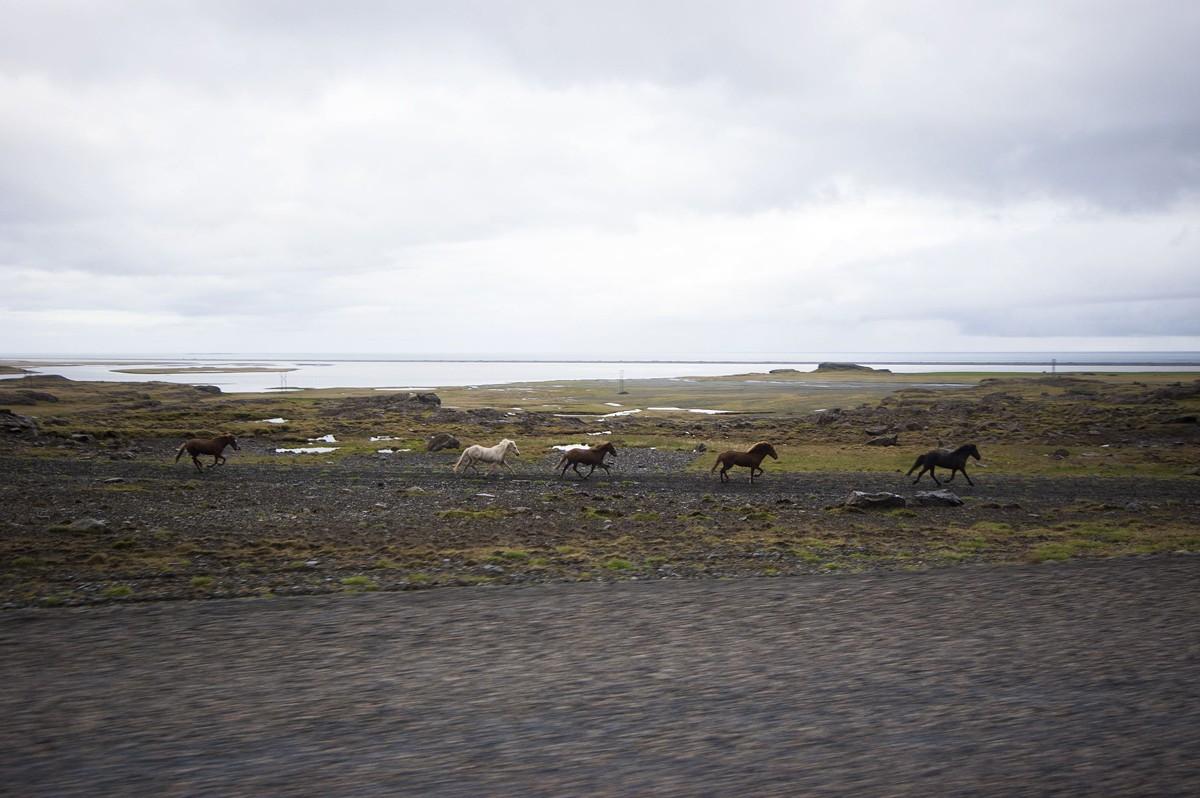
936,498
871,501
442,440
883,440
14,424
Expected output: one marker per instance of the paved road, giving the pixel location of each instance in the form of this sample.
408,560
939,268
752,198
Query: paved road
1071,679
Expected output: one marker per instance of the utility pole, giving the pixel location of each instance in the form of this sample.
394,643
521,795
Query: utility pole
621,383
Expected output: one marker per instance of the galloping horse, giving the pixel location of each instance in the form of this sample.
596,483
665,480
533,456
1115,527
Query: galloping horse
214,446
493,454
750,459
594,457
954,460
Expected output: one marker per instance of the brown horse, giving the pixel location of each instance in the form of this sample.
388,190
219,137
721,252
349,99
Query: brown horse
750,459
214,446
954,460
594,457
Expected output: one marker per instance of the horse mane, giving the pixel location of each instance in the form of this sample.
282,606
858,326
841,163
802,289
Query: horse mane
761,446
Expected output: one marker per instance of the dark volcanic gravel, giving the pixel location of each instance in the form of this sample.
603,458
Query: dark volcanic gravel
1072,679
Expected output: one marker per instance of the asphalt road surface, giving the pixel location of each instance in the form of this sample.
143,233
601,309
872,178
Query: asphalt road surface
1079,678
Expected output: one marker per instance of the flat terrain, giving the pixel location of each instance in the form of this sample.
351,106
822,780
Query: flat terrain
1076,678
363,621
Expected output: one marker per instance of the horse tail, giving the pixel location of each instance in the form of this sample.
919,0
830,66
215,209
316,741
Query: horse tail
920,462
179,451
716,465
461,457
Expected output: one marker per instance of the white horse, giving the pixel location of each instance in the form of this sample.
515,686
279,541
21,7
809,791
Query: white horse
491,454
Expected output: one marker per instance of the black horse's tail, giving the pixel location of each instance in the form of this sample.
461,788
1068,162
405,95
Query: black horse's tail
920,462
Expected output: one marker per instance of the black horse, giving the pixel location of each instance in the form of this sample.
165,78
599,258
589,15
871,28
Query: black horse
954,460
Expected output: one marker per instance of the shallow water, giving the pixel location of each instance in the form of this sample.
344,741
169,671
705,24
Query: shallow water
399,374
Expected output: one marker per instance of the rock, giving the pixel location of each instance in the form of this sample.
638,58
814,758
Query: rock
883,440
876,430
1188,419
700,447
828,416
1060,454
442,440
849,367
937,498
213,389
414,490
784,371
113,480
858,498
913,426
426,398
14,424
87,525
81,437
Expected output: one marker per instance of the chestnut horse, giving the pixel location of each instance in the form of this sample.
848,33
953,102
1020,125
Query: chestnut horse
954,460
594,457
750,459
214,446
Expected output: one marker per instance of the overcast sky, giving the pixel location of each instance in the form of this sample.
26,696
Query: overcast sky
605,178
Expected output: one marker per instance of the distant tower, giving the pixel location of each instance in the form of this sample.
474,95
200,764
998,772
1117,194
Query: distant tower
1053,366
621,383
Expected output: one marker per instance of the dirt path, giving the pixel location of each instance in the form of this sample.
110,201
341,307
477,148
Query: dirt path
1077,678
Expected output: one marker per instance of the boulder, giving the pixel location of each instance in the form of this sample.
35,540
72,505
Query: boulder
87,525
213,389
936,498
883,440
1060,454
14,424
700,447
871,501
784,371
874,431
442,440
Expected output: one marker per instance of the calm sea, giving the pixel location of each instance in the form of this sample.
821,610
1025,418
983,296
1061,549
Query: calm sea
349,370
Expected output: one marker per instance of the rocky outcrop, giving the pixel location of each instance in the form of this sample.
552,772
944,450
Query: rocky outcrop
826,367
13,424
442,440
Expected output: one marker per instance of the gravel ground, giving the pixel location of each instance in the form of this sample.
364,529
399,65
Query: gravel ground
291,526
1078,678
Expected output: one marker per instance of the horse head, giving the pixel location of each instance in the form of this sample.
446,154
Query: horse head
765,448
229,440
972,450
511,446
607,447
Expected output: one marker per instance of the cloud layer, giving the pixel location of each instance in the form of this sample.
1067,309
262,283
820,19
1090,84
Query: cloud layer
620,181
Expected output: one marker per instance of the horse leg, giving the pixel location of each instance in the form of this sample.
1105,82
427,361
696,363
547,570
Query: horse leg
933,474
510,468
199,465
967,477
724,474
953,472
